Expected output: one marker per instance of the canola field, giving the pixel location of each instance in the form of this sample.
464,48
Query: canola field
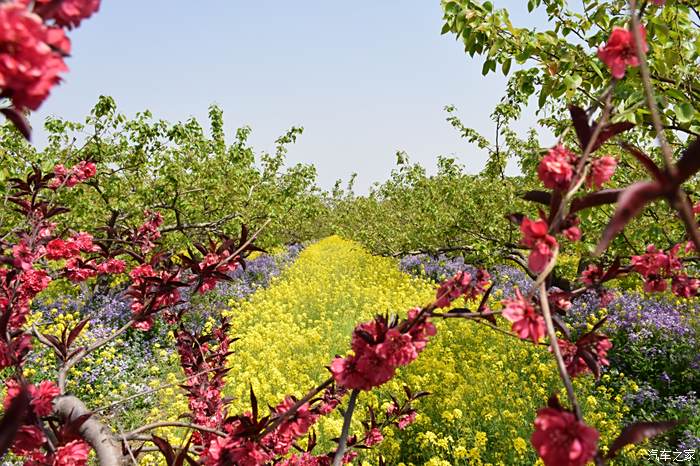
485,387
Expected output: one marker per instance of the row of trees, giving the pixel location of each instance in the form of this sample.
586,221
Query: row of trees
138,198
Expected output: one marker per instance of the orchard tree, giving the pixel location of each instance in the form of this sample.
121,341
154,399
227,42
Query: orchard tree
45,424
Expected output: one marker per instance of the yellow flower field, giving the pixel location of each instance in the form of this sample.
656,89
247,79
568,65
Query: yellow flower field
485,386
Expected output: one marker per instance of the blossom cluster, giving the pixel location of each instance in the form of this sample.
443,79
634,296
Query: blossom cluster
70,177
657,267
556,169
379,348
34,43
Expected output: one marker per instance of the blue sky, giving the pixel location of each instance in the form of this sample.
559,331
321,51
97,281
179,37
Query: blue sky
365,78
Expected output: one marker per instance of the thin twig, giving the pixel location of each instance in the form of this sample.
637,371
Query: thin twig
544,304
649,91
156,425
291,411
340,452
153,390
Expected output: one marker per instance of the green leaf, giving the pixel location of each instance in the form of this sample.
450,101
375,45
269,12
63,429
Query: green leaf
487,67
572,82
506,67
684,112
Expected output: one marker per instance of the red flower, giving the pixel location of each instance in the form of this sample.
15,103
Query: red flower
555,168
406,420
79,271
602,170
535,237
28,439
561,440
595,345
79,173
226,451
59,249
24,255
527,323
282,439
619,52
462,284
83,241
68,13
112,266
573,233
42,397
591,275
452,289
685,286
29,65
373,437
34,281
74,453
379,350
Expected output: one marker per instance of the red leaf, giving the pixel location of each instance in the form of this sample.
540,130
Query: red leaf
631,202
516,218
646,161
165,448
602,197
610,131
579,119
19,121
541,197
638,432
13,419
591,361
76,332
689,163
584,131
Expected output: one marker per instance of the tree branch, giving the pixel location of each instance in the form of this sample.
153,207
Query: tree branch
98,435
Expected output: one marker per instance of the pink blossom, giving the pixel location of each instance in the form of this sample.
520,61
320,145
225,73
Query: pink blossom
295,427
561,440
68,13
596,345
77,174
684,286
573,234
42,397
24,255
602,170
527,323
541,244
34,281
462,284
362,373
60,249
29,65
379,350
406,420
74,453
373,437
591,275
112,266
79,271
83,241
227,451
452,289
28,439
619,52
555,170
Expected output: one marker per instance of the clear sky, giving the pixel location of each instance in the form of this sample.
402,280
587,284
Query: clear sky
364,78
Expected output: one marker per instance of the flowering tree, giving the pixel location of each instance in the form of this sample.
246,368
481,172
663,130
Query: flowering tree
45,424
34,44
